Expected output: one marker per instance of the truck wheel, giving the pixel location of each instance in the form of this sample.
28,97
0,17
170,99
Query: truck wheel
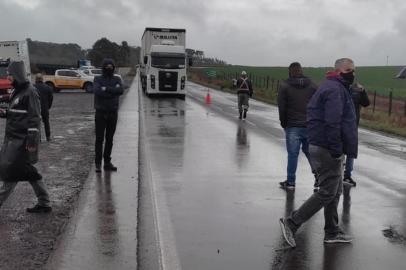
88,87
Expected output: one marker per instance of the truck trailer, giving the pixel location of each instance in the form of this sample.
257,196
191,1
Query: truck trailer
163,61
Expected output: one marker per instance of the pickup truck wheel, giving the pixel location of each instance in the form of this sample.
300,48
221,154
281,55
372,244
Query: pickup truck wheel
88,87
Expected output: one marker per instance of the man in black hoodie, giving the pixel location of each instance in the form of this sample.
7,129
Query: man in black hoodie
107,90
46,97
294,94
20,146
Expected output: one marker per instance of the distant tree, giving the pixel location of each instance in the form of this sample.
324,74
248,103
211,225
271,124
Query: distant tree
123,55
103,48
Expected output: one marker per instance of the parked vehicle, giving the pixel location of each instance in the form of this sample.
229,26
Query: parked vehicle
163,56
11,51
93,72
69,79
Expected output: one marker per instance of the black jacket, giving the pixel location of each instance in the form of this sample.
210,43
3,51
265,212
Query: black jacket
107,89
360,98
293,96
46,96
24,113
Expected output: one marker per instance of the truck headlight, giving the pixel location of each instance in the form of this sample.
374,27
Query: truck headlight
153,81
182,82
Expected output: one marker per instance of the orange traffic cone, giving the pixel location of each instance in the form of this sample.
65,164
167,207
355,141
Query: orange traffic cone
208,98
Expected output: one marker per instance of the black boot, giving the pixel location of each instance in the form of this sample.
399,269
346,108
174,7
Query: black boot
109,167
245,114
98,168
39,209
240,117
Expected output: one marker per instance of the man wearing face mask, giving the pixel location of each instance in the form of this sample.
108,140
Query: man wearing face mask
332,133
20,147
107,90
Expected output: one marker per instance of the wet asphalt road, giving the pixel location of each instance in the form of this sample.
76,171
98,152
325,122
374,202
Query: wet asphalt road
214,183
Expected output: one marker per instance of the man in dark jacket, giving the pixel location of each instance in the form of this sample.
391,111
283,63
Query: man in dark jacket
359,98
107,90
293,96
46,97
332,133
20,147
244,92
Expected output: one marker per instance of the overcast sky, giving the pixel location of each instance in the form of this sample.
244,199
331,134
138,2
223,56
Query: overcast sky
246,32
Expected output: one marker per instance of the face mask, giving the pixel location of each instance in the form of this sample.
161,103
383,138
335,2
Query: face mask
348,77
109,71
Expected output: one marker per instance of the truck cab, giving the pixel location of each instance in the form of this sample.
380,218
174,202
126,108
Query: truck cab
5,84
164,62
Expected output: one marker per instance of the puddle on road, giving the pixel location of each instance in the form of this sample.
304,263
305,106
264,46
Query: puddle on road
394,236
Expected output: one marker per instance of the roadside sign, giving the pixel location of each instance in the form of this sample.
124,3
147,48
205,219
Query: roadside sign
211,73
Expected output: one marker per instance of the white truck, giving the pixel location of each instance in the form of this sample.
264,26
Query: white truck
11,51
15,51
163,61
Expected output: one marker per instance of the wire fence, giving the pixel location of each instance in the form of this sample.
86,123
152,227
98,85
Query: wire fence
269,85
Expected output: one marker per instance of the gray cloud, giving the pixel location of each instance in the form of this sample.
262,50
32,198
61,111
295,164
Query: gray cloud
260,32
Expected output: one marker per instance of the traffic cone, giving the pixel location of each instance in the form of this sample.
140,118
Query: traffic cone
208,98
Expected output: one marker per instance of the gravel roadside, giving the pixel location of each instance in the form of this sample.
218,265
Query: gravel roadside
27,240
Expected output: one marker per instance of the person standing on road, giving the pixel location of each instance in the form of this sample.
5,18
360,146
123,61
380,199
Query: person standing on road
332,132
293,96
244,92
360,98
107,90
20,146
46,97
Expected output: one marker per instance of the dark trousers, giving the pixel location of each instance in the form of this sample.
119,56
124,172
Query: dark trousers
45,120
105,128
329,171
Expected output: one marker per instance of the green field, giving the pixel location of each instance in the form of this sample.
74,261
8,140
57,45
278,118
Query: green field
379,79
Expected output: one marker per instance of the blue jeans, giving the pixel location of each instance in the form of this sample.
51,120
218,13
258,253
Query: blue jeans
295,137
349,166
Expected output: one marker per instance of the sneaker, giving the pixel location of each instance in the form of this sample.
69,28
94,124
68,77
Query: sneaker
245,114
339,238
109,167
287,185
98,168
287,232
39,209
240,116
349,181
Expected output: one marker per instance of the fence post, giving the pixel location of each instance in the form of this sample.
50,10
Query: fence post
390,102
373,108
277,85
272,84
267,84
405,109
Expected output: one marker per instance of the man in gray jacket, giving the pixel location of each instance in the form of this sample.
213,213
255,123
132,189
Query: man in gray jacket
293,96
20,147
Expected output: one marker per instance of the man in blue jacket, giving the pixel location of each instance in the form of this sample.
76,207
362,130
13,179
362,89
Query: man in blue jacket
332,133
107,90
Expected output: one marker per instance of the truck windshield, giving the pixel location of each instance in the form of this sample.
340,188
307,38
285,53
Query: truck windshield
168,62
3,72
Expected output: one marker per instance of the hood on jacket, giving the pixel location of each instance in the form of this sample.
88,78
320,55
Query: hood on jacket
17,70
298,82
105,63
337,75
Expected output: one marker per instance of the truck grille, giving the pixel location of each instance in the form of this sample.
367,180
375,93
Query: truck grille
168,81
